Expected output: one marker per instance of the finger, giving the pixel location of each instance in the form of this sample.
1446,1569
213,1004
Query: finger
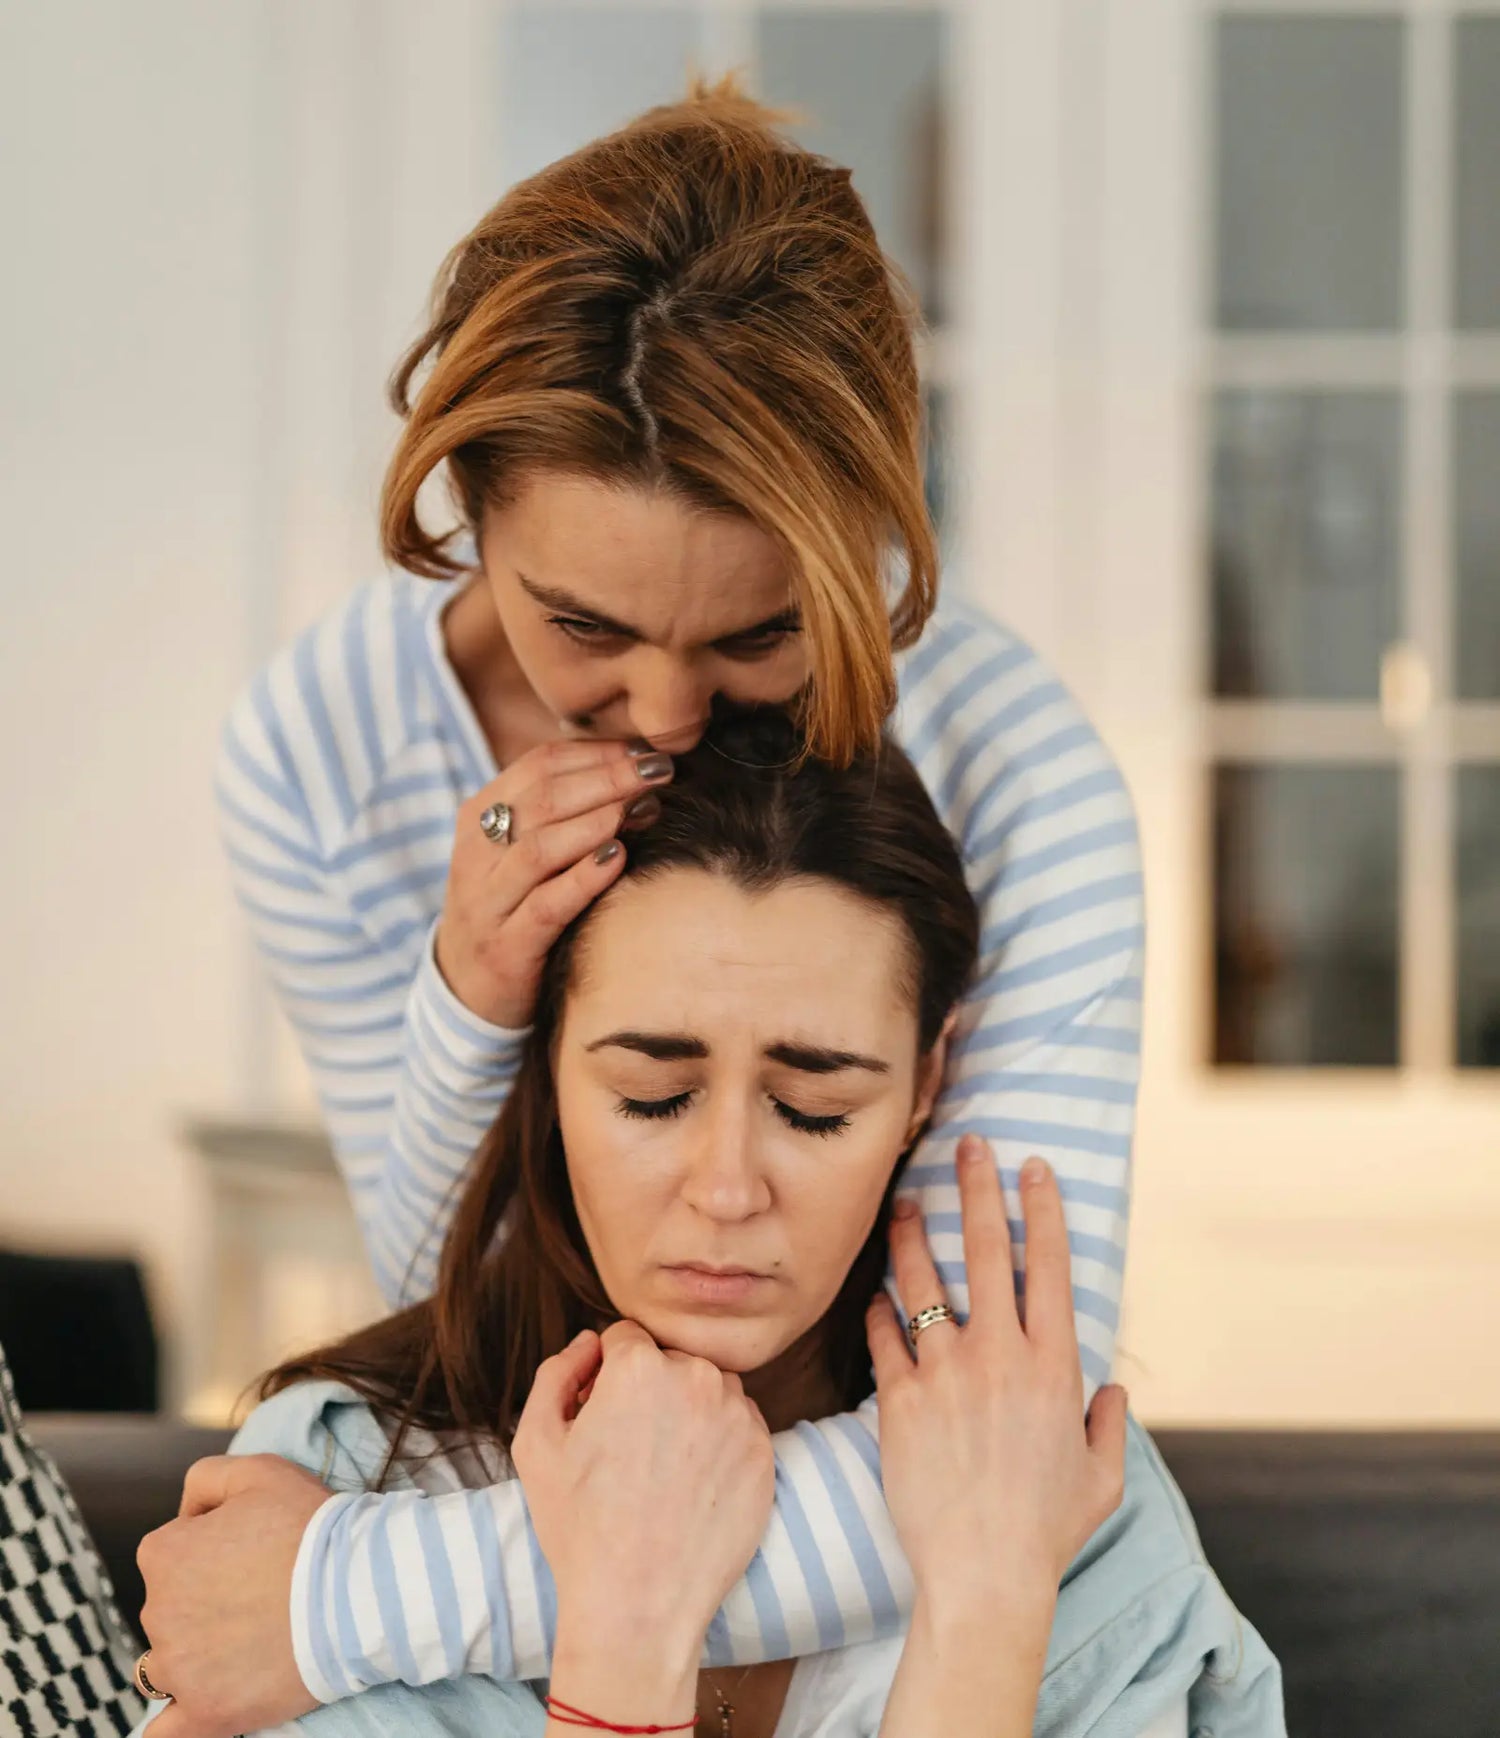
622,1334
1106,1435
551,760
987,1250
569,794
560,1378
916,1277
549,851
547,910
209,1483
890,1355
172,1722
1049,1273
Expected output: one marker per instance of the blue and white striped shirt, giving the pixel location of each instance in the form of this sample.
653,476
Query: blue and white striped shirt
341,771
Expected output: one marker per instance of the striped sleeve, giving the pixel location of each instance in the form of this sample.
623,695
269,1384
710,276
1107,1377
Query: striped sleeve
1045,1060
402,1586
407,1078
1046,1055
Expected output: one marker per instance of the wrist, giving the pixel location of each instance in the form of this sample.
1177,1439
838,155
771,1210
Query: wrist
619,1669
958,1614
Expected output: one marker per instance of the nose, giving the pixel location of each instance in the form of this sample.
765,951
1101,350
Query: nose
725,1180
669,702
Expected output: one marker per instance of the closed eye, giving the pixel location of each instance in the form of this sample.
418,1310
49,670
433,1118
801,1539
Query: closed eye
581,629
809,1125
663,1109
654,1109
759,642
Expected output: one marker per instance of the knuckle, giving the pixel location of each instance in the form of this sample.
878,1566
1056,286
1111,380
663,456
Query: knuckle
148,1552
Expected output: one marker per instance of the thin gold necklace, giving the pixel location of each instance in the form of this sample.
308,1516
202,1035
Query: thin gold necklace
726,1707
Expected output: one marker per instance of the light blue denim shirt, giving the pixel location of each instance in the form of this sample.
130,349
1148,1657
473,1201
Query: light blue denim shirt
1141,1620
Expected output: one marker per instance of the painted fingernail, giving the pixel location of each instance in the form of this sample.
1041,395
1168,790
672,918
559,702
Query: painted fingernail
970,1150
607,852
637,746
904,1208
643,811
1034,1171
654,767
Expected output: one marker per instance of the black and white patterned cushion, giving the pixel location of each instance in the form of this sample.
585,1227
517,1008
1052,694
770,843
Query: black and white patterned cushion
65,1658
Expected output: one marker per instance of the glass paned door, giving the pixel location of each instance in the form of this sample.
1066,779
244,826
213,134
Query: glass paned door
1352,571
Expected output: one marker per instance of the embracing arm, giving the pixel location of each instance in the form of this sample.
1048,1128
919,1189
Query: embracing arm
408,1079
1046,1058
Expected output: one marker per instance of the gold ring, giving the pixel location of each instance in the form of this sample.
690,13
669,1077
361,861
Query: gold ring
144,1684
928,1318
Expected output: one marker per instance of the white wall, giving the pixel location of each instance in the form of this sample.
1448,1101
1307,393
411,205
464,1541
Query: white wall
220,224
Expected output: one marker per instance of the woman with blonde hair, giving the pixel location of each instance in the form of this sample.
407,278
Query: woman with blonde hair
671,382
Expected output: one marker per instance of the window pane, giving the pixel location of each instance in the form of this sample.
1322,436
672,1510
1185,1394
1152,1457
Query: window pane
871,84
569,73
1306,538
1476,199
1305,915
1309,206
1476,545
1479,917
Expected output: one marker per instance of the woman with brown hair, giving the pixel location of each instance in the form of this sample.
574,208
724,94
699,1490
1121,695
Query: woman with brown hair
673,1241
671,382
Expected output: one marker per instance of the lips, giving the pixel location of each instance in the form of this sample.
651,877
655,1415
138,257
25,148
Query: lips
703,1284
717,1272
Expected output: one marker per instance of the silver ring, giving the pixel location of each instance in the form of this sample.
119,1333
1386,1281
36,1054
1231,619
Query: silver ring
495,823
928,1318
144,1684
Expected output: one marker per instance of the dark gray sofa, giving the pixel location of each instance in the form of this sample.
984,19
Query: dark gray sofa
1370,1563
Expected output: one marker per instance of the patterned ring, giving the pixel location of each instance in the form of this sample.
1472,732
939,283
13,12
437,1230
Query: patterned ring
144,1684
495,823
928,1318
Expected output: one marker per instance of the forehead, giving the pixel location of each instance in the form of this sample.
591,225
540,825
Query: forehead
675,571
689,951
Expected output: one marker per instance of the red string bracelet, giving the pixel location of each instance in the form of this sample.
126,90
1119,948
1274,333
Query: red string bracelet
566,1716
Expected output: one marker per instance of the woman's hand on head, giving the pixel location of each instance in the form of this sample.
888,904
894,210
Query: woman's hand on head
507,903
650,1500
218,1597
993,1476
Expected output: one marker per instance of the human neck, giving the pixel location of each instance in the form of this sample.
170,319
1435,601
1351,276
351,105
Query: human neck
795,1385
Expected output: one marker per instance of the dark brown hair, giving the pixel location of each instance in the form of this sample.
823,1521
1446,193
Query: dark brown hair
692,304
515,1278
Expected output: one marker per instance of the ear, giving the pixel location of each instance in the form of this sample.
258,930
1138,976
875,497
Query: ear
930,1077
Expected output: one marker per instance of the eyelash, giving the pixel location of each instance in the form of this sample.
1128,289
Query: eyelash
585,633
663,1109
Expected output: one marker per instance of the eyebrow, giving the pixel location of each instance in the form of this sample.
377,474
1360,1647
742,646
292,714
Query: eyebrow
678,1047
555,598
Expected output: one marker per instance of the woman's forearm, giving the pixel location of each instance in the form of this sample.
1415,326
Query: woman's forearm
970,1667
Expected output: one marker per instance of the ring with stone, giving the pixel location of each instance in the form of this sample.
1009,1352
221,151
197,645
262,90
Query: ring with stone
928,1318
495,823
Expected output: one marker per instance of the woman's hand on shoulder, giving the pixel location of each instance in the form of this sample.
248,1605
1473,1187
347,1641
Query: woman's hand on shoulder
993,1476
649,1501
507,902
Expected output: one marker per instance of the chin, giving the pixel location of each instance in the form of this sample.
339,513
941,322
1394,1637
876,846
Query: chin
736,1343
